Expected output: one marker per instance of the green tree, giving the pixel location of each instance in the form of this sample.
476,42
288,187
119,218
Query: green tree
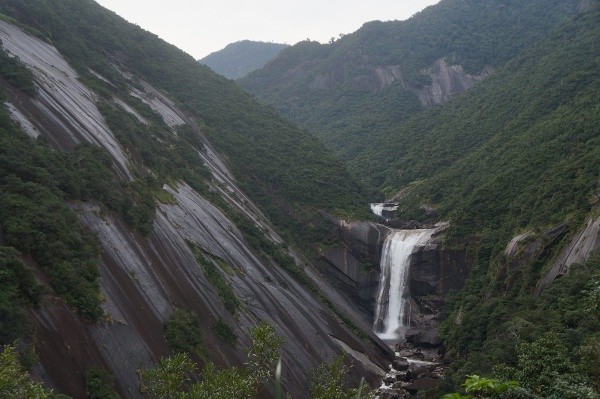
330,380
545,370
14,382
171,379
590,361
483,388
100,384
183,333
264,352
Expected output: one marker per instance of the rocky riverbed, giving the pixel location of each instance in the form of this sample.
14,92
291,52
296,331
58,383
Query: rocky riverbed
413,370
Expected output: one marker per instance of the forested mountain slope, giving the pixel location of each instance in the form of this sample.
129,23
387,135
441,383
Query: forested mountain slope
257,142
238,59
370,80
143,200
513,164
520,149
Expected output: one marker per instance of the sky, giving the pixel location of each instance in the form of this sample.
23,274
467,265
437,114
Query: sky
200,27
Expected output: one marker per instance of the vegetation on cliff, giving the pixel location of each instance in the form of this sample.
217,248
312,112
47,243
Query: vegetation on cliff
519,153
350,92
285,170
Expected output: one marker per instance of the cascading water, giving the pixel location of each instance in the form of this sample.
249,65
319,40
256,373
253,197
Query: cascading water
384,210
377,209
393,294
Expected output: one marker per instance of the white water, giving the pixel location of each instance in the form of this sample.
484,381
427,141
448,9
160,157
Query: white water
393,296
377,209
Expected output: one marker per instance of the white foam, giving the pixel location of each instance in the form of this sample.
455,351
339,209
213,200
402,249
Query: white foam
393,295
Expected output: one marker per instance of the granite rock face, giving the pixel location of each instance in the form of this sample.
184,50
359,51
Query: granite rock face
434,273
447,81
584,244
144,279
353,265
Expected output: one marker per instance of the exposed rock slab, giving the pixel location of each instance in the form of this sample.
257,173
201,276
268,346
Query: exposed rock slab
61,95
447,81
130,110
160,104
17,116
585,243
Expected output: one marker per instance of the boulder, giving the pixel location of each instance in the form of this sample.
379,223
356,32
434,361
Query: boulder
404,376
424,338
400,364
421,385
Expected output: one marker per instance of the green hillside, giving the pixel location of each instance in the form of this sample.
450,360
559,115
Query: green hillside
334,90
518,153
519,150
284,169
238,59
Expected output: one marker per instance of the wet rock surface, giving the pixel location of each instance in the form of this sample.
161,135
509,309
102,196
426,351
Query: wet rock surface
352,266
413,371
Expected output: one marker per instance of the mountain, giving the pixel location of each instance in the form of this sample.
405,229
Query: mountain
238,59
511,164
149,205
380,75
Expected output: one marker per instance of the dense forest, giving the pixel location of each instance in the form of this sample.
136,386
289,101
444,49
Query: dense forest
365,82
280,166
516,154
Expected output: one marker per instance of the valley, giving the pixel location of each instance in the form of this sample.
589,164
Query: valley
406,208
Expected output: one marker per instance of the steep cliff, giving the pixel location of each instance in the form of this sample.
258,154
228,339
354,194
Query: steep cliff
353,264
161,206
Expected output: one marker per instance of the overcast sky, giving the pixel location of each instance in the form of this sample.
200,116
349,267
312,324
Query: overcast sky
200,27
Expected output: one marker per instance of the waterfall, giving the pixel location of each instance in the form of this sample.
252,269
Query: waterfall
384,210
377,209
393,295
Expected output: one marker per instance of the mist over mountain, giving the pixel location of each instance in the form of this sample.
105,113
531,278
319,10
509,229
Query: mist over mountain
238,59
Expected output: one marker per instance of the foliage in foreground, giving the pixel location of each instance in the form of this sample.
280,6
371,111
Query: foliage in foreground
14,382
100,384
543,370
481,387
173,378
330,381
